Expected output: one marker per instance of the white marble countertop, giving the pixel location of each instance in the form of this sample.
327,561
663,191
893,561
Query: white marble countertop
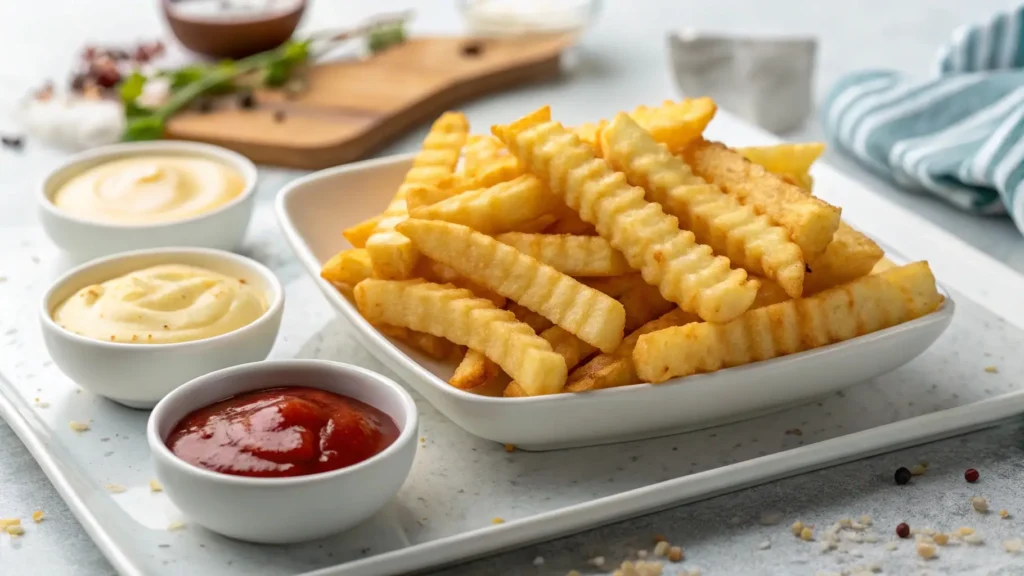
621,63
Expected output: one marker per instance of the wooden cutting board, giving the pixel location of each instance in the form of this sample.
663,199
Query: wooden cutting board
351,108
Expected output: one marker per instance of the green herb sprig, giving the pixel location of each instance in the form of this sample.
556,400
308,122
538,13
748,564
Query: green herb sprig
273,68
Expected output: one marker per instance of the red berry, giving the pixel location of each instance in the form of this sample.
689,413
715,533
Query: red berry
971,475
903,530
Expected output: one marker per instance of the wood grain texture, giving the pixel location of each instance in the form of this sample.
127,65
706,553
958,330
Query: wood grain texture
352,108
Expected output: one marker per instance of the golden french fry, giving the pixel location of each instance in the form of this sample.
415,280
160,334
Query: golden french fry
616,286
392,254
590,133
685,272
782,159
643,302
769,293
572,255
676,124
497,209
535,321
348,267
439,273
433,346
616,369
514,390
485,154
811,222
572,349
850,255
359,233
474,371
425,195
587,313
455,314
804,181
571,223
883,265
535,226
715,218
863,306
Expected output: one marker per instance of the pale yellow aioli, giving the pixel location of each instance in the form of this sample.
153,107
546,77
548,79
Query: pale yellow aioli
161,305
149,189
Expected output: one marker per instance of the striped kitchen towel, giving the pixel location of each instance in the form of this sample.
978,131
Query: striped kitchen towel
958,135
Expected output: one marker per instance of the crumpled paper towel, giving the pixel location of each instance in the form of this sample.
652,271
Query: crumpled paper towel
767,81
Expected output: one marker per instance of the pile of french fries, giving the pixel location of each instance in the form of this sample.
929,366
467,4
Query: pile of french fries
630,250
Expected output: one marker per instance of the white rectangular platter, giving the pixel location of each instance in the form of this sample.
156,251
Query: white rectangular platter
460,482
352,193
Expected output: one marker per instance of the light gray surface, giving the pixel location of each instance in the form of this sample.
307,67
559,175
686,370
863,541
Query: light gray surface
621,64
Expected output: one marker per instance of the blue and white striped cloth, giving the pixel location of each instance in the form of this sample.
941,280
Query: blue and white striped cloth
959,135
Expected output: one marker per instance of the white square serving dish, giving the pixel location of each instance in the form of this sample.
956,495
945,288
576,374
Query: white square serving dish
312,212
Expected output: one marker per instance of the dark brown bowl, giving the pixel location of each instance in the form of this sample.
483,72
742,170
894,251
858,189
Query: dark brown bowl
223,37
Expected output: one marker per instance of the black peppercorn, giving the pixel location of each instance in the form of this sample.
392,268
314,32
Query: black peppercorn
247,100
902,475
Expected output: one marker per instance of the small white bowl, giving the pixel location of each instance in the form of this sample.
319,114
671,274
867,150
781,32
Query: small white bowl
139,375
285,510
222,228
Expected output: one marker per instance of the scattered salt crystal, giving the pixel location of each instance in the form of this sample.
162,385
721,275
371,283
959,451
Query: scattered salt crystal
597,561
764,545
925,550
1013,546
891,545
114,488
538,561
973,539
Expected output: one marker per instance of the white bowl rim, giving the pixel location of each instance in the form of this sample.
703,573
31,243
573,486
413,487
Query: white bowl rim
128,149
160,450
275,299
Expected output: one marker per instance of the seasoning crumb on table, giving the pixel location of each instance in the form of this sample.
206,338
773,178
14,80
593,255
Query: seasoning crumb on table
155,486
114,488
925,550
979,504
991,369
78,426
15,530
538,561
38,516
176,525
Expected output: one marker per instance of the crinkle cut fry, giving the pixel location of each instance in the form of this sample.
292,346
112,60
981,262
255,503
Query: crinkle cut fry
850,255
811,222
616,369
863,306
685,272
473,371
348,267
717,219
499,208
392,254
676,124
434,346
586,256
591,315
455,314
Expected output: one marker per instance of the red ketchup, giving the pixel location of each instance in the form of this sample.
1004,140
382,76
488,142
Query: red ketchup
276,432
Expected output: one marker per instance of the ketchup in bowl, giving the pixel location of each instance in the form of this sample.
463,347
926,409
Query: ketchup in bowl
278,432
